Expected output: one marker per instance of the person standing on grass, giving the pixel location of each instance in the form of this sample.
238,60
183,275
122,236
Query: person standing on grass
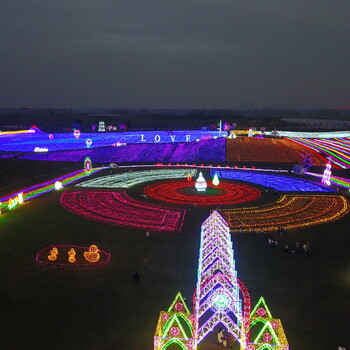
137,278
305,248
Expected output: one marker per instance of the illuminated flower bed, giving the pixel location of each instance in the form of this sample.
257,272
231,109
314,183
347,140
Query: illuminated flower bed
206,151
337,150
117,208
184,192
277,182
62,259
251,149
27,142
130,179
290,211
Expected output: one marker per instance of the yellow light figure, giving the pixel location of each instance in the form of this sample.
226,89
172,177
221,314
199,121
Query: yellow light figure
71,255
189,177
92,255
53,254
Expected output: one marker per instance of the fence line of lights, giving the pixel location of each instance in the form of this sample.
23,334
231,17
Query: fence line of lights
289,211
117,208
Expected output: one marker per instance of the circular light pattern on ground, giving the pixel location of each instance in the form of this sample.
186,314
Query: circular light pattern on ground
184,192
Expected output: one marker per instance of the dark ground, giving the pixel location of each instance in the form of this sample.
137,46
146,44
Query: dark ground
45,308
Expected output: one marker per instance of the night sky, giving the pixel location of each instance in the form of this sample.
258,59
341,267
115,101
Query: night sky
175,53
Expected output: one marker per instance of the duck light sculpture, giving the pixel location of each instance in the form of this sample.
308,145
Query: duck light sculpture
92,255
71,255
53,254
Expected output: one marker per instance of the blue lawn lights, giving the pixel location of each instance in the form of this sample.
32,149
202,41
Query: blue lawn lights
41,142
277,182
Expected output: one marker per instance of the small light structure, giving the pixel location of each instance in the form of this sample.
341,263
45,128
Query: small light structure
58,185
216,180
88,143
92,255
201,184
87,164
327,174
20,198
72,259
50,136
53,254
76,133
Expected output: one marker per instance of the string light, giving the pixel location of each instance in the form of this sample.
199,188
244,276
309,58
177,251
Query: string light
182,192
289,211
130,179
281,183
117,208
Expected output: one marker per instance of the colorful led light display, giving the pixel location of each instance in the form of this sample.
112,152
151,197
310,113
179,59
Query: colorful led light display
271,330
40,189
175,326
327,175
183,192
133,178
216,299
281,183
337,151
117,208
289,211
26,140
335,180
271,150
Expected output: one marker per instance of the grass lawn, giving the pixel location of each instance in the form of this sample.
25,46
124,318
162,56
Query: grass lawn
43,308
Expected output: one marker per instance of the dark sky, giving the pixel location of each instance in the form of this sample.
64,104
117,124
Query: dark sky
174,53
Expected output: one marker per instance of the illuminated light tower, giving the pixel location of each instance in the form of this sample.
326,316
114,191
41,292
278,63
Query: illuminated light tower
216,180
217,299
327,174
201,184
